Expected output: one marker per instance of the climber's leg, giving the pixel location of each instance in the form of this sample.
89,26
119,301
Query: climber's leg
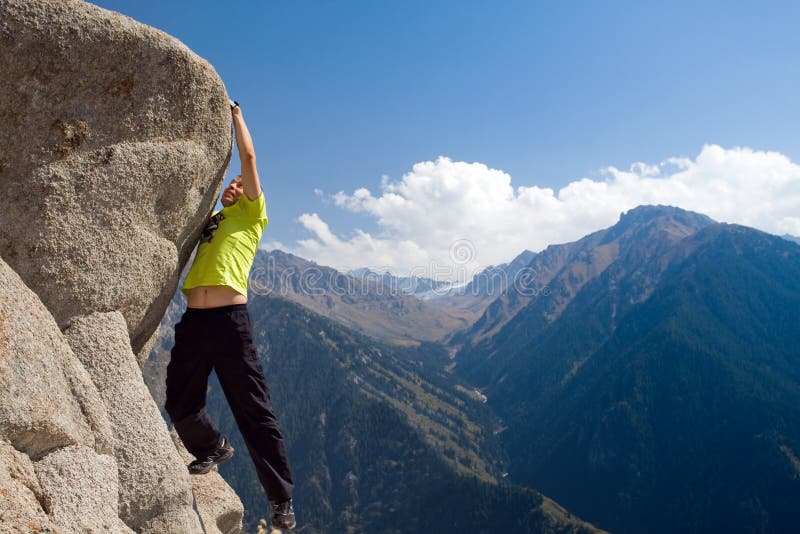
187,380
239,372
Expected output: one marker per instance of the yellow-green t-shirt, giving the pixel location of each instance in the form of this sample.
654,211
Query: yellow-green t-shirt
226,259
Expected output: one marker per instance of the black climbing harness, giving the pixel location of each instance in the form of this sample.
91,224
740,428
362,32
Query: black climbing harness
211,227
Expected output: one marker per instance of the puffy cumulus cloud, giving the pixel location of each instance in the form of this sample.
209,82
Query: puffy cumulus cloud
360,250
450,218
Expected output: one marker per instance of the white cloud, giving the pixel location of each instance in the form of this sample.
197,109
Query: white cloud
272,244
451,218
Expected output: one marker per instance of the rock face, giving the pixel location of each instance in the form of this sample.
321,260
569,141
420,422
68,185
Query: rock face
21,494
55,452
115,138
79,488
218,505
47,399
145,454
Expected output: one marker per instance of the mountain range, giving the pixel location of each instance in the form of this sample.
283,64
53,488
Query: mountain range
363,303
660,392
380,438
646,377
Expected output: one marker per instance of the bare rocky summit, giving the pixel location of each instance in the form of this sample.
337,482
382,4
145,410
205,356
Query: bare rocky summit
114,141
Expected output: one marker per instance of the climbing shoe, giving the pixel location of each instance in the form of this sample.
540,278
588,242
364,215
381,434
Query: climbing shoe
283,515
203,465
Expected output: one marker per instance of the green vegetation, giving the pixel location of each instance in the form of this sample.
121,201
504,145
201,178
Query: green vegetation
379,438
674,413
656,392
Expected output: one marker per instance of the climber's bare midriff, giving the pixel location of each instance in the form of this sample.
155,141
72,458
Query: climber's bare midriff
214,297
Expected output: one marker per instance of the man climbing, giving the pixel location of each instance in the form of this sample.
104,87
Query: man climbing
215,333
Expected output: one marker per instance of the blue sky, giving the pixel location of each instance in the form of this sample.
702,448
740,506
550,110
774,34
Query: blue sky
338,94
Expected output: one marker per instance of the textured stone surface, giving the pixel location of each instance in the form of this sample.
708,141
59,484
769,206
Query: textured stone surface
47,399
147,348
220,508
114,140
155,493
79,490
21,496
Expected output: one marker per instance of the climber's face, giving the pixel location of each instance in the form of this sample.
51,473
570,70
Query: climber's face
233,192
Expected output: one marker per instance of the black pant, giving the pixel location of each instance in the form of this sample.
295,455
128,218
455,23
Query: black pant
221,339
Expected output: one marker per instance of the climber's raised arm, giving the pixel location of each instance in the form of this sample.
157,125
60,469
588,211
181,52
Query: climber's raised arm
247,154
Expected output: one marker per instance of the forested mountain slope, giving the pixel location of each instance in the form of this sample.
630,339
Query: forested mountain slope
665,395
552,278
380,439
360,303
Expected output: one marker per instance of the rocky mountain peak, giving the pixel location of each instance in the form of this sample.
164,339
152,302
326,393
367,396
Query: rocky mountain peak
657,219
647,212
560,271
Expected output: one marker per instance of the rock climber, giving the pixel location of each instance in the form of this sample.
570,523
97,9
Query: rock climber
215,333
